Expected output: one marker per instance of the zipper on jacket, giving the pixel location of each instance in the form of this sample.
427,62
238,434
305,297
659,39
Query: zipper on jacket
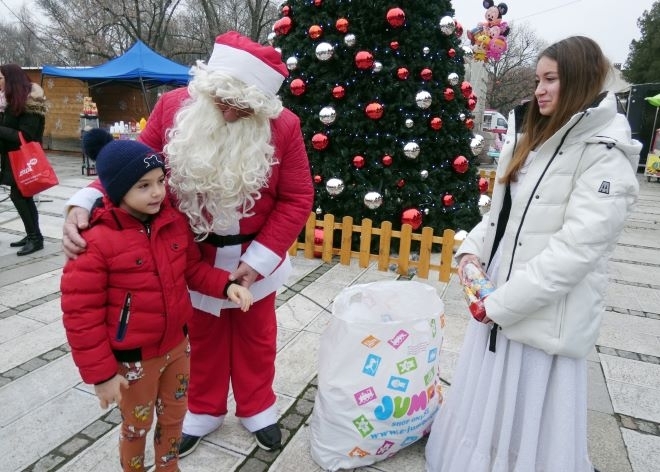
124,315
147,229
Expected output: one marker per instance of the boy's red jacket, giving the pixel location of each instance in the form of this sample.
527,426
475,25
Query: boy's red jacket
155,264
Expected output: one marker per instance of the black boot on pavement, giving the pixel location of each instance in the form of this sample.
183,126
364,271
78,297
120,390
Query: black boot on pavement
188,444
34,243
19,243
269,438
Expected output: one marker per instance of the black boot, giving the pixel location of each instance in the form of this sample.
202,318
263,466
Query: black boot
19,243
34,243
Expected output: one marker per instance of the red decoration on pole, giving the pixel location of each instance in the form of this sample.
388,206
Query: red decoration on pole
461,164
396,17
318,240
320,141
297,87
412,217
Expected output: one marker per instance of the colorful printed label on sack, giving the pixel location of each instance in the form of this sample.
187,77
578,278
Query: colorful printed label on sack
28,167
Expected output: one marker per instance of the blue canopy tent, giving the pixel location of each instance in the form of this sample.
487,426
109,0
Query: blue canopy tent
140,65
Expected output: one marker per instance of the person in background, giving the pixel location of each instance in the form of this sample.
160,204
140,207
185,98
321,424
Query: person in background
125,300
24,111
240,173
565,184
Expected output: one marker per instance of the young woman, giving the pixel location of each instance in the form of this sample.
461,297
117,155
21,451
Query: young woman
25,111
565,185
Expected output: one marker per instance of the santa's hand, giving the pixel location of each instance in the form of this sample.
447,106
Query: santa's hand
244,275
72,243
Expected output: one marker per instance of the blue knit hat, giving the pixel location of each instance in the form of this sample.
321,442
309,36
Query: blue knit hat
119,163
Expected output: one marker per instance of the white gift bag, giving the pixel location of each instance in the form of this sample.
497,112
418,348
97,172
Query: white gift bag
378,373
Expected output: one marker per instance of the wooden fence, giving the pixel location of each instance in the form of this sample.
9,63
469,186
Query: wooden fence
435,251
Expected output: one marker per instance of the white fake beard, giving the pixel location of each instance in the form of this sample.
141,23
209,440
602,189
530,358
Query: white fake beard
217,168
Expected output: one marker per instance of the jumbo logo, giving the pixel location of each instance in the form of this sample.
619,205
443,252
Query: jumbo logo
28,169
399,406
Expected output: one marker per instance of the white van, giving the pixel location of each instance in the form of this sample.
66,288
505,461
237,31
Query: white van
493,122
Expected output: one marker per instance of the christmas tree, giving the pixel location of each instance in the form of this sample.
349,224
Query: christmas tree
385,109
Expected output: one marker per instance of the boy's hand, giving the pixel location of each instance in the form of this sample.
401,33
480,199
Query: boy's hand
110,392
240,295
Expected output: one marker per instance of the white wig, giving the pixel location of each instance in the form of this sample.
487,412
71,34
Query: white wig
217,168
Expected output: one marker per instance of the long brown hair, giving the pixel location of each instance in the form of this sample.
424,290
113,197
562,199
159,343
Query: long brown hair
582,70
17,87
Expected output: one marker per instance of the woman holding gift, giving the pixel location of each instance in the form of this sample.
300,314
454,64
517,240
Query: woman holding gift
565,185
25,111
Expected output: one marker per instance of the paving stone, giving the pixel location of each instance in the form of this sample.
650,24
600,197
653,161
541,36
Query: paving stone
628,422
647,427
50,462
33,364
97,429
291,421
74,445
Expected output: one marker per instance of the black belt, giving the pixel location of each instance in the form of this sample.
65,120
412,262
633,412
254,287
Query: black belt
229,239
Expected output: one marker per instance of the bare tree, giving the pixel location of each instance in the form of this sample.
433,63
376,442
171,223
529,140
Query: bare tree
511,79
89,32
20,43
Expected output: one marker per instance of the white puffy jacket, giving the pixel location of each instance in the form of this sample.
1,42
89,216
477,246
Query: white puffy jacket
564,223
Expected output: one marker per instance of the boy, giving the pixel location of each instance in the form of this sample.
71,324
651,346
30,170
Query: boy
125,301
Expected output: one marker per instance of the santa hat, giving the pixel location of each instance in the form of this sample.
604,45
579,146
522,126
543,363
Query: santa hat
249,62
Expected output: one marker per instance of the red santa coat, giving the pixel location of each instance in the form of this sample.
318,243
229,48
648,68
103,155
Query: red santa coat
122,257
278,216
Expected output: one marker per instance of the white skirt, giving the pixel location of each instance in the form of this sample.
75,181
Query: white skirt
515,410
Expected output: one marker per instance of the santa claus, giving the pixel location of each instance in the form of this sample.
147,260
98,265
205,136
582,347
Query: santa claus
239,171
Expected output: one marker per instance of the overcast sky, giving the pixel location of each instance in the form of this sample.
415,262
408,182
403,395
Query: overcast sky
612,23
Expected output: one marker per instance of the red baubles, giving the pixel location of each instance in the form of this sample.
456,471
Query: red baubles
448,200
402,73
283,25
387,160
412,217
374,110
320,141
341,25
297,87
315,31
449,94
364,60
460,164
358,162
483,185
436,123
338,92
396,17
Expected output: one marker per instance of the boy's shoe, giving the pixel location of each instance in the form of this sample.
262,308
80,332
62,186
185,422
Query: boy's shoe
269,438
188,444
